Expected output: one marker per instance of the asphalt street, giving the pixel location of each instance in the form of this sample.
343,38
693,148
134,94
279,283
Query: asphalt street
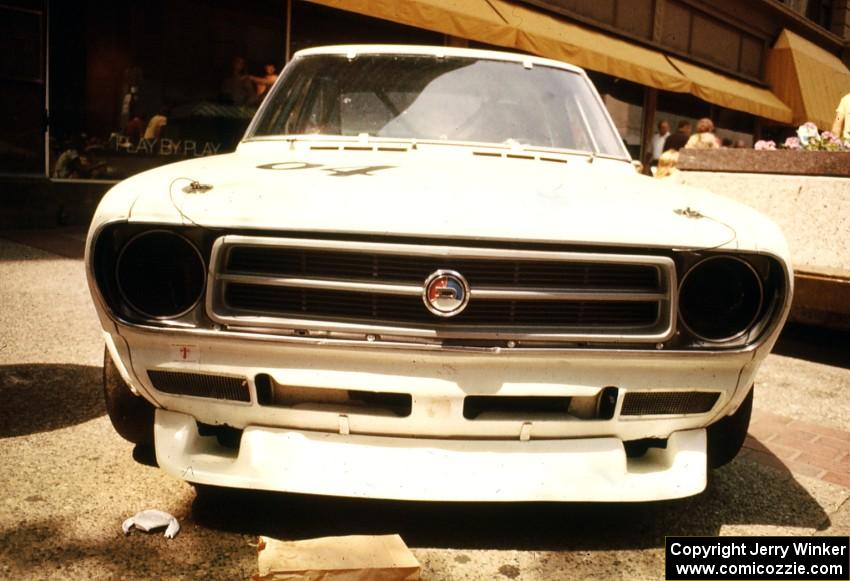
67,480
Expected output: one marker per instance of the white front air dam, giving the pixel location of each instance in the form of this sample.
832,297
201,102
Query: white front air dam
593,469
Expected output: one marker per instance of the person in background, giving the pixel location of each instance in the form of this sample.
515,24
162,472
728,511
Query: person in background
677,140
667,164
156,124
704,138
658,140
841,125
69,165
78,160
238,88
135,129
262,84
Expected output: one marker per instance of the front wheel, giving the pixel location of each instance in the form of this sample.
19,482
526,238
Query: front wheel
132,415
726,437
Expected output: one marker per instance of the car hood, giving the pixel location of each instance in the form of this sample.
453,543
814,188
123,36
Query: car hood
451,193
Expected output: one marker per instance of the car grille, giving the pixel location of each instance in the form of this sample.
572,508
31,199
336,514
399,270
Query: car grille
326,264
374,287
369,306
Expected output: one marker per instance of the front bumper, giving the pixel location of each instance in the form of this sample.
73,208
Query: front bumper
590,469
438,383
435,453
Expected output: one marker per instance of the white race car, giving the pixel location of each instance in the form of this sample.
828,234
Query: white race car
432,273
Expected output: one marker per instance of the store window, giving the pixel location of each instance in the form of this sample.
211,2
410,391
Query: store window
22,87
818,10
821,12
678,107
735,128
138,84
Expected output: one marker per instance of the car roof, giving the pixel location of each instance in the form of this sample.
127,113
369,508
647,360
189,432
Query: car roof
352,50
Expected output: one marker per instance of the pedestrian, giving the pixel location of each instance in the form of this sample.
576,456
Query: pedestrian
263,83
667,164
704,138
677,140
238,88
658,141
156,123
841,125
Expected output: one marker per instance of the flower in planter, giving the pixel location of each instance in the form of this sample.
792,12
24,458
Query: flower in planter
826,141
831,141
793,143
808,139
806,132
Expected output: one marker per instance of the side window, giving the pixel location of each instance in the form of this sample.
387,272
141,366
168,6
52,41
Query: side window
577,136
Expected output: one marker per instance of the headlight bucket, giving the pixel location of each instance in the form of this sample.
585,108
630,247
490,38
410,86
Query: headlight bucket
160,274
720,298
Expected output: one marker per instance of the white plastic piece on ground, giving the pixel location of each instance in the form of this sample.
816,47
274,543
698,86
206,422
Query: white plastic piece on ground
151,519
349,558
590,469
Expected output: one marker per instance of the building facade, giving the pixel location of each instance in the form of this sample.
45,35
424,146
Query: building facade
95,91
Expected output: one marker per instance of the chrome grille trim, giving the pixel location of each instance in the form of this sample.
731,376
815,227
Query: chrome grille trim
318,283
549,294
663,295
535,294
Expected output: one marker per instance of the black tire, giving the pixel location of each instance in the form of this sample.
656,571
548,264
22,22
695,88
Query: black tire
726,437
132,416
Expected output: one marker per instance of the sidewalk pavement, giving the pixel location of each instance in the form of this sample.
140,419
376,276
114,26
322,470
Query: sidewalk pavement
67,242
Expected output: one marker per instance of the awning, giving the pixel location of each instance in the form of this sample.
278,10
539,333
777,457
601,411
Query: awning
501,23
547,36
808,78
732,93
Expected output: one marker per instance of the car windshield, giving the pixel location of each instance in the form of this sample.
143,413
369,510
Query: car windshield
427,97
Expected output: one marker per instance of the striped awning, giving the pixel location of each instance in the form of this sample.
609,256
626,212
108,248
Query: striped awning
808,78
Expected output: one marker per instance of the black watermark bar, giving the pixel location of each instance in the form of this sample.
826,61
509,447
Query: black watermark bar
757,558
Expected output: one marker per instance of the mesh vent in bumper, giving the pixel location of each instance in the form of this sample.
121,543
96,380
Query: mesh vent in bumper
668,403
200,385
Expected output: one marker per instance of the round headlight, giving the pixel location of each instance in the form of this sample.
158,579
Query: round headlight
160,274
720,298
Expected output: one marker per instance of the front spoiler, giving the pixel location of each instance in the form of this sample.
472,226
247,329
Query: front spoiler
591,469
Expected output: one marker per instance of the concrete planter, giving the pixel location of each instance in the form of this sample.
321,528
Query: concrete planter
782,161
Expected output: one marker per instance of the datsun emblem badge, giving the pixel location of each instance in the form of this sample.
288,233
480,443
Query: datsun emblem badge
446,293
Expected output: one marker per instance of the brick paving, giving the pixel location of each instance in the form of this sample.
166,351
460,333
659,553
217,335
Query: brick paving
800,447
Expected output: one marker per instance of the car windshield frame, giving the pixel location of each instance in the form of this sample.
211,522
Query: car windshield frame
455,99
